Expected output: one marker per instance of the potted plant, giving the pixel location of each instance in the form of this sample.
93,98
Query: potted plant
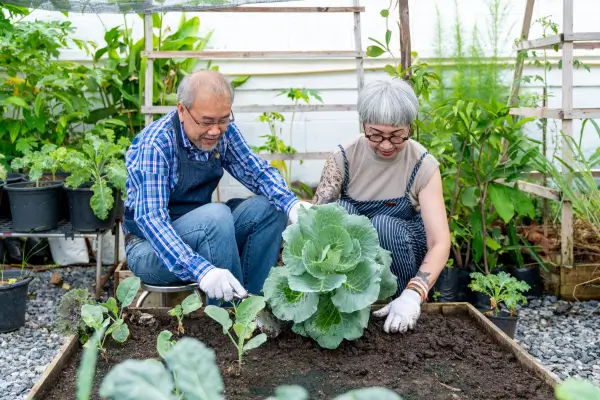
505,290
35,204
97,178
14,285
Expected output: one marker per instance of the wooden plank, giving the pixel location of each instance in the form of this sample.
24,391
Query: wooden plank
405,44
53,370
540,43
586,45
537,174
580,283
275,54
566,235
581,36
296,156
556,113
266,108
516,82
532,188
149,76
360,68
281,10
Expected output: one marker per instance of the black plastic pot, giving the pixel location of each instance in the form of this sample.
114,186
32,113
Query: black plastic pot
13,299
480,301
64,202
34,208
452,285
11,177
533,279
506,322
82,216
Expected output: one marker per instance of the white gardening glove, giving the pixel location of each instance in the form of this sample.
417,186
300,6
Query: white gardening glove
293,214
402,313
219,283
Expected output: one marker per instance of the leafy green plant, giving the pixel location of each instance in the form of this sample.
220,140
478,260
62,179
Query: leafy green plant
334,271
36,162
576,389
109,315
164,343
99,164
3,171
273,143
295,392
502,289
188,305
244,326
68,314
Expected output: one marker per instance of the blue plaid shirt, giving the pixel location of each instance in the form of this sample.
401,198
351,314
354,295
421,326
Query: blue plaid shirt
152,175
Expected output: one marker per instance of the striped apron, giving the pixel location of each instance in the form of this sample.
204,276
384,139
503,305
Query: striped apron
399,226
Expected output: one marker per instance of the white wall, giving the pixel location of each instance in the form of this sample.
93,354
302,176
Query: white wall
336,79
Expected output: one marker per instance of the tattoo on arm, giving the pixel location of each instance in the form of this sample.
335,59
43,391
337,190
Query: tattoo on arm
330,186
423,277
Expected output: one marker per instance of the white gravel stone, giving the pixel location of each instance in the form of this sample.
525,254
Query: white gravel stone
26,352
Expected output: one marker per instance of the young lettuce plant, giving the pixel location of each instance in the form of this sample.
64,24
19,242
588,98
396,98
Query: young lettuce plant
108,315
188,305
245,323
334,271
100,164
502,289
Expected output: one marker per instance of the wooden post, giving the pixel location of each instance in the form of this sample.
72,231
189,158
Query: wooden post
567,128
149,78
405,48
516,83
360,70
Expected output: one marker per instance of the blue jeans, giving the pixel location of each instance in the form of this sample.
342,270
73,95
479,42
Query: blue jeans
243,236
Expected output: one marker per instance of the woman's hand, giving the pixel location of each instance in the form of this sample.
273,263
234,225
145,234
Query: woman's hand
402,313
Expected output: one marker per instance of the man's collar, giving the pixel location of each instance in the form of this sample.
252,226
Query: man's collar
186,141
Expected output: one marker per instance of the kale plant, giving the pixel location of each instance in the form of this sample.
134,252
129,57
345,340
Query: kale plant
245,324
334,271
69,320
188,305
502,289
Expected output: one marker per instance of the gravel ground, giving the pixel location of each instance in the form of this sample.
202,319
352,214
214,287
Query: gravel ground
25,353
563,336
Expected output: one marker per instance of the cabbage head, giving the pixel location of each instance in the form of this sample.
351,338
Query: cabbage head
334,271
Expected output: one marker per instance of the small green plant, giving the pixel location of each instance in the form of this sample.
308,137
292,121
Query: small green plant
3,171
502,289
334,271
164,343
188,305
68,314
244,326
108,315
38,161
577,389
100,164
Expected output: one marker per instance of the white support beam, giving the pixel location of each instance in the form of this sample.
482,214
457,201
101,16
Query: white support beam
277,54
581,36
556,113
149,75
541,43
266,108
296,156
533,188
281,10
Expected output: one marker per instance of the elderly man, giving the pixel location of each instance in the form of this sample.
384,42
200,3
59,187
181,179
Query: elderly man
174,232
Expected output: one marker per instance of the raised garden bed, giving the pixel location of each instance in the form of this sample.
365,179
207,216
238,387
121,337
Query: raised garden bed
455,352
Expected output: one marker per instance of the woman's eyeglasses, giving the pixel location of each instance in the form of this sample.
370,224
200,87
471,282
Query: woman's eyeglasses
207,124
378,138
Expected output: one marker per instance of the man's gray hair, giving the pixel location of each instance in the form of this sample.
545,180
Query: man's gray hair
388,102
206,80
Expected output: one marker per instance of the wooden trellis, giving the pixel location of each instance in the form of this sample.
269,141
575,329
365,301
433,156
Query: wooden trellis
149,109
567,40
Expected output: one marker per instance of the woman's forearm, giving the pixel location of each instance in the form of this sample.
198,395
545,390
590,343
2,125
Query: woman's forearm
433,264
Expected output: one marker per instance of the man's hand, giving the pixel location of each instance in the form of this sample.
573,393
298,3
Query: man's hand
293,215
219,283
402,313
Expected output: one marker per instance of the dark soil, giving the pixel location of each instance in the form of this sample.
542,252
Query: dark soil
444,358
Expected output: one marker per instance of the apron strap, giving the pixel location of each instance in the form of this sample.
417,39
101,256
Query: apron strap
414,173
346,170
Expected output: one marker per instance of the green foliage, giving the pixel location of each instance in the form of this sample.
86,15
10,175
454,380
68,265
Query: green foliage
68,313
3,171
108,315
100,164
577,389
295,392
244,326
188,305
334,270
87,367
36,162
502,289
164,343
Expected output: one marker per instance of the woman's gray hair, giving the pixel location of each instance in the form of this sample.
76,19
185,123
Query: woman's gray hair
388,102
208,80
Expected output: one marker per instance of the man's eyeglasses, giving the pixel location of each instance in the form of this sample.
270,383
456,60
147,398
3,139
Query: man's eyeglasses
378,138
207,124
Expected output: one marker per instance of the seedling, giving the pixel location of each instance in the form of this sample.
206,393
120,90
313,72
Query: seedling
164,343
109,315
244,326
502,288
187,306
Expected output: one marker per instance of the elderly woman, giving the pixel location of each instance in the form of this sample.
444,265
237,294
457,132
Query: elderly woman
392,179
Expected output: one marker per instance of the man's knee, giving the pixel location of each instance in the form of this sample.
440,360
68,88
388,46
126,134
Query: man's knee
260,207
213,216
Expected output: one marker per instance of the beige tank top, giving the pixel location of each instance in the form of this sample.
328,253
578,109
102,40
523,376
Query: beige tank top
375,178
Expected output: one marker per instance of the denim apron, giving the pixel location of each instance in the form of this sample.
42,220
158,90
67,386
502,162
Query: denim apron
196,182
399,226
